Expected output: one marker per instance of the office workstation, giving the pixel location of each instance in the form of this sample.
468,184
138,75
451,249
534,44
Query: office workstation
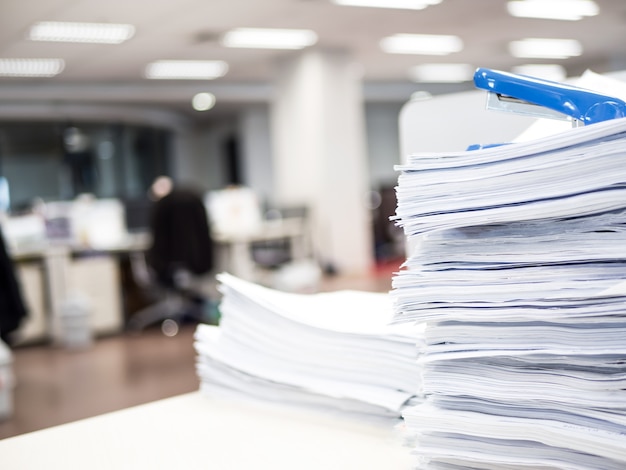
84,251
303,159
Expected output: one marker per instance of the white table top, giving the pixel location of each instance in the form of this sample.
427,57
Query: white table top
194,431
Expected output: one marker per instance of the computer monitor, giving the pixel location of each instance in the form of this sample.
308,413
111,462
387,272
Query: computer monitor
137,213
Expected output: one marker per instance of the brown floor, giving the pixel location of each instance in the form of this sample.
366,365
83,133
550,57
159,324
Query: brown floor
56,386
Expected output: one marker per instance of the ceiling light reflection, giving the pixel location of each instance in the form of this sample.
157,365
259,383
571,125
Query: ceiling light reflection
186,69
545,48
258,38
101,33
31,67
397,4
553,72
442,73
203,101
426,44
568,10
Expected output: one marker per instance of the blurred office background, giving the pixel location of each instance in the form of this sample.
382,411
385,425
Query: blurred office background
307,131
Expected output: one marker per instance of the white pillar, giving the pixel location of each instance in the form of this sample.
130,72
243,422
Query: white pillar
318,133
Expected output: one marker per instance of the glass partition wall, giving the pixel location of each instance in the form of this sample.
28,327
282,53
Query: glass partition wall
60,160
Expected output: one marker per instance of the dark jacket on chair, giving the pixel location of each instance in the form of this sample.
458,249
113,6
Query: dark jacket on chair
12,307
181,237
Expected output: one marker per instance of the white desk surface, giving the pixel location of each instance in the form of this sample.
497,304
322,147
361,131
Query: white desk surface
194,431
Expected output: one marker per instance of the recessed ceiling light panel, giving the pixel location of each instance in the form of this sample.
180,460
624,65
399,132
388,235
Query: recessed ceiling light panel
569,10
397,4
186,69
31,67
203,101
258,38
425,44
538,48
553,72
100,33
442,73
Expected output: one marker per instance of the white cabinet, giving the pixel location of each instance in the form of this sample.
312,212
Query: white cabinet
97,278
49,280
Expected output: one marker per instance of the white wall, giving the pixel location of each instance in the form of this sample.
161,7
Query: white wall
320,158
256,151
383,142
453,122
198,156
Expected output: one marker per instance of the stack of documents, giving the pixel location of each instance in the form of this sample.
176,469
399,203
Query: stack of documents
334,350
518,269
570,174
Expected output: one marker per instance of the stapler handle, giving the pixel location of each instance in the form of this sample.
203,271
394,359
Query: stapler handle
583,105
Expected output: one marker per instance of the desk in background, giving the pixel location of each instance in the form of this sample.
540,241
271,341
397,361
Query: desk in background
49,274
194,431
235,250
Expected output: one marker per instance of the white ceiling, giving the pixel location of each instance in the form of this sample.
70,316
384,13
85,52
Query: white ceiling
190,29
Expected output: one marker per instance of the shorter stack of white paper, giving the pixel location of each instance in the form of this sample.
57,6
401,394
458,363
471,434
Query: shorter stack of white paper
332,350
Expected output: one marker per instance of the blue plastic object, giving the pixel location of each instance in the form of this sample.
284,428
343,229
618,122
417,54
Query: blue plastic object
583,105
485,146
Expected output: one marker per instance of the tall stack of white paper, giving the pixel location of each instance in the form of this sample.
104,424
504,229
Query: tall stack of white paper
330,350
517,268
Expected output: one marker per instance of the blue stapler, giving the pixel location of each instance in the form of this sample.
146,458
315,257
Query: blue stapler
544,98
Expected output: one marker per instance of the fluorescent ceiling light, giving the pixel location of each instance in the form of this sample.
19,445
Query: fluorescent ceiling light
426,44
442,73
545,48
258,38
554,72
31,67
186,69
100,33
399,4
570,10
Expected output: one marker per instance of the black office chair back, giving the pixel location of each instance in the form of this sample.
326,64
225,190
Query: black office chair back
181,238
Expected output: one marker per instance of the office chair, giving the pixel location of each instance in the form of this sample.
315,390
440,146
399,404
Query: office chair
180,254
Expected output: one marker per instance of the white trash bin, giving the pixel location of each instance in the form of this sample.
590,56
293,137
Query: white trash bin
7,382
75,319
